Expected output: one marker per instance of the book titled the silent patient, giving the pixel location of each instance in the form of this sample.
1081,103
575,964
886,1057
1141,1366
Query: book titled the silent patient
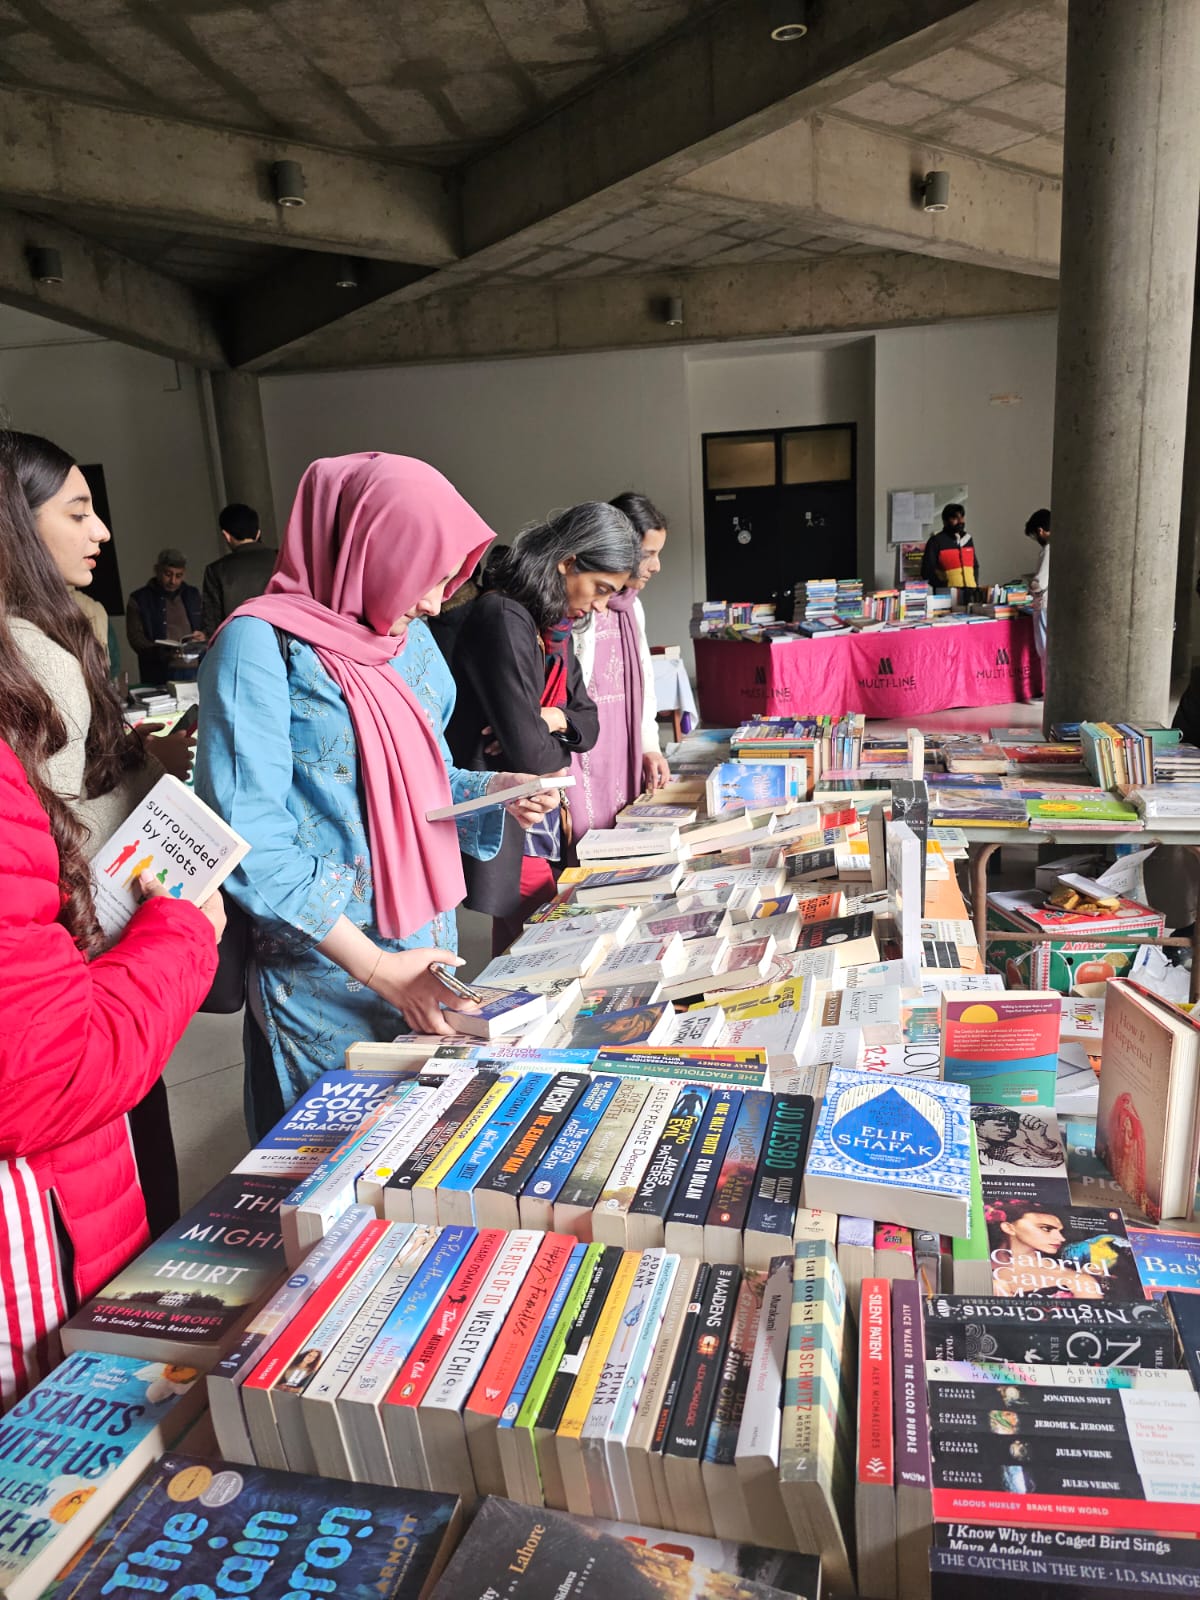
174,837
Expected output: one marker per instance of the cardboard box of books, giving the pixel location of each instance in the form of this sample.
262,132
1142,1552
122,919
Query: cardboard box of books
1054,963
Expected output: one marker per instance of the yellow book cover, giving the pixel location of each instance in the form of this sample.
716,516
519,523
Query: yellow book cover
465,1137
769,1000
575,1413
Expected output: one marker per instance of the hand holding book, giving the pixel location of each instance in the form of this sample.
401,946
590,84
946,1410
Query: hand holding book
213,908
528,809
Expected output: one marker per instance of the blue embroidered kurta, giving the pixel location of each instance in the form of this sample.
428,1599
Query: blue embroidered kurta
276,757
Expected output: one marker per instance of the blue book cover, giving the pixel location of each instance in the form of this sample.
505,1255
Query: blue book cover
471,1167
498,1055
391,1345
542,1337
1166,1261
324,1117
73,1446
886,1145
735,784
193,1527
556,1165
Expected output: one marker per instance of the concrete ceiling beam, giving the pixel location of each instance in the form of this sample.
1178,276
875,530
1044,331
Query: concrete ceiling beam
273,317
67,155
837,294
705,91
106,293
851,182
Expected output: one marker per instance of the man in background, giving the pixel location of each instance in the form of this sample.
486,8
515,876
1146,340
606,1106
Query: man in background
240,575
1038,527
163,618
949,560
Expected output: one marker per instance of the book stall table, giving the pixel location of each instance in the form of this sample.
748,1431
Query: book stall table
901,673
982,844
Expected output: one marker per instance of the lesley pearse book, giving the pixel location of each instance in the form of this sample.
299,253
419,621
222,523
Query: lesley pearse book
175,838
201,1528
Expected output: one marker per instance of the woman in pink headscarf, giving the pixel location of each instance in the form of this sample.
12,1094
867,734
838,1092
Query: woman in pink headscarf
323,704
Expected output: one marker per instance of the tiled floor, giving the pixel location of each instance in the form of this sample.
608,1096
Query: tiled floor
204,1080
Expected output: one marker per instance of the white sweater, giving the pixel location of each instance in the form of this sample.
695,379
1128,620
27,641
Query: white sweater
584,640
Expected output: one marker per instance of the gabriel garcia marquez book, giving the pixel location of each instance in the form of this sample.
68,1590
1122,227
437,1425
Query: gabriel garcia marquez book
72,1447
1046,1251
518,1552
190,1293
202,1528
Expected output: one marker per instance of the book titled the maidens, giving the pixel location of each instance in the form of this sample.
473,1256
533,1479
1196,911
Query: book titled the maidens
188,1296
174,837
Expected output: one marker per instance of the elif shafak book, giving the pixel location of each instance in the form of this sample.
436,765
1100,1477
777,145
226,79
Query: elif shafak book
174,837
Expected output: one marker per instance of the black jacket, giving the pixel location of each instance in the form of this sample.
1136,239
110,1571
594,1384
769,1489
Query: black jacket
234,579
146,621
494,652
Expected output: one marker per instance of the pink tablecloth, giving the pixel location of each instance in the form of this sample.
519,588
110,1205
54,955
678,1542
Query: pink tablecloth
893,675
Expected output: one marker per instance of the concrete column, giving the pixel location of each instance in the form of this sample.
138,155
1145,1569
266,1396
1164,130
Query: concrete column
242,444
1187,606
1131,182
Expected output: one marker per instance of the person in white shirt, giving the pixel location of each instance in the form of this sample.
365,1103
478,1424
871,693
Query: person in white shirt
614,658
1038,527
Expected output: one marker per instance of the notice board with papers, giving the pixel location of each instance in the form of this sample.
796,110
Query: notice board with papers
913,514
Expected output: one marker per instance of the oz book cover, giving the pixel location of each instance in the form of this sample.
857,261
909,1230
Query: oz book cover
193,1287
198,1528
518,1552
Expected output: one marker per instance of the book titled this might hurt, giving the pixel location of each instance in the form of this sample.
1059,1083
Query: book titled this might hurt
177,840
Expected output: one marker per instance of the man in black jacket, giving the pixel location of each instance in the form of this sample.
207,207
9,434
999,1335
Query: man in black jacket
165,609
949,560
243,573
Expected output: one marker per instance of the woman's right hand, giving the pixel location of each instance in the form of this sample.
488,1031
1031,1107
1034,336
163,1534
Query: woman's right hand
213,908
406,980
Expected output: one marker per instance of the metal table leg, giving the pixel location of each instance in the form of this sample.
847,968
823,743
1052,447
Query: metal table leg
979,855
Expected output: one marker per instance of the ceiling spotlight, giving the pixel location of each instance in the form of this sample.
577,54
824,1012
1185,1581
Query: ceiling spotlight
935,191
787,20
672,311
287,184
45,265
346,276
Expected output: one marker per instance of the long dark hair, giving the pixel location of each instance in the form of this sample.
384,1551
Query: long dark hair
35,590
31,725
597,535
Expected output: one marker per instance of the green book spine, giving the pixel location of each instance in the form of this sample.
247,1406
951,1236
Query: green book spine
544,1376
975,1246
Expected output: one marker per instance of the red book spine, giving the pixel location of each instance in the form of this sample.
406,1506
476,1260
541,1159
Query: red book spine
1052,1510
295,1335
515,1339
418,1371
876,1455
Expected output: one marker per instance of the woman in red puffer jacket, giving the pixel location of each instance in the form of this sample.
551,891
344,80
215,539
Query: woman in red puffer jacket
81,1041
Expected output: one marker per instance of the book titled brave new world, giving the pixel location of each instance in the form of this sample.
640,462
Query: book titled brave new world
173,837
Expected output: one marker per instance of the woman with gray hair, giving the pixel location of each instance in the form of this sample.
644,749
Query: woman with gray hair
521,700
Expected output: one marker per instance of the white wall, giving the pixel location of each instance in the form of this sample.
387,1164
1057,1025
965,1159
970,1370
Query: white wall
517,438
937,420
139,415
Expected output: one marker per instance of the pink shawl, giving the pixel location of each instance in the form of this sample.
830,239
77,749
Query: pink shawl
609,775
368,536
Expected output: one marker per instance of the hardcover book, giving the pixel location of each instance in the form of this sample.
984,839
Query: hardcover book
189,1295
187,1518
72,1447
900,1145
177,839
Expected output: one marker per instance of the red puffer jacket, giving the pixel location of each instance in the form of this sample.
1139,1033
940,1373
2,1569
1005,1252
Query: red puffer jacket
80,1043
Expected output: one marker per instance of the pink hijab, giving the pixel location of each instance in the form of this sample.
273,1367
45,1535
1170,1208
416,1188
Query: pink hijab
367,537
